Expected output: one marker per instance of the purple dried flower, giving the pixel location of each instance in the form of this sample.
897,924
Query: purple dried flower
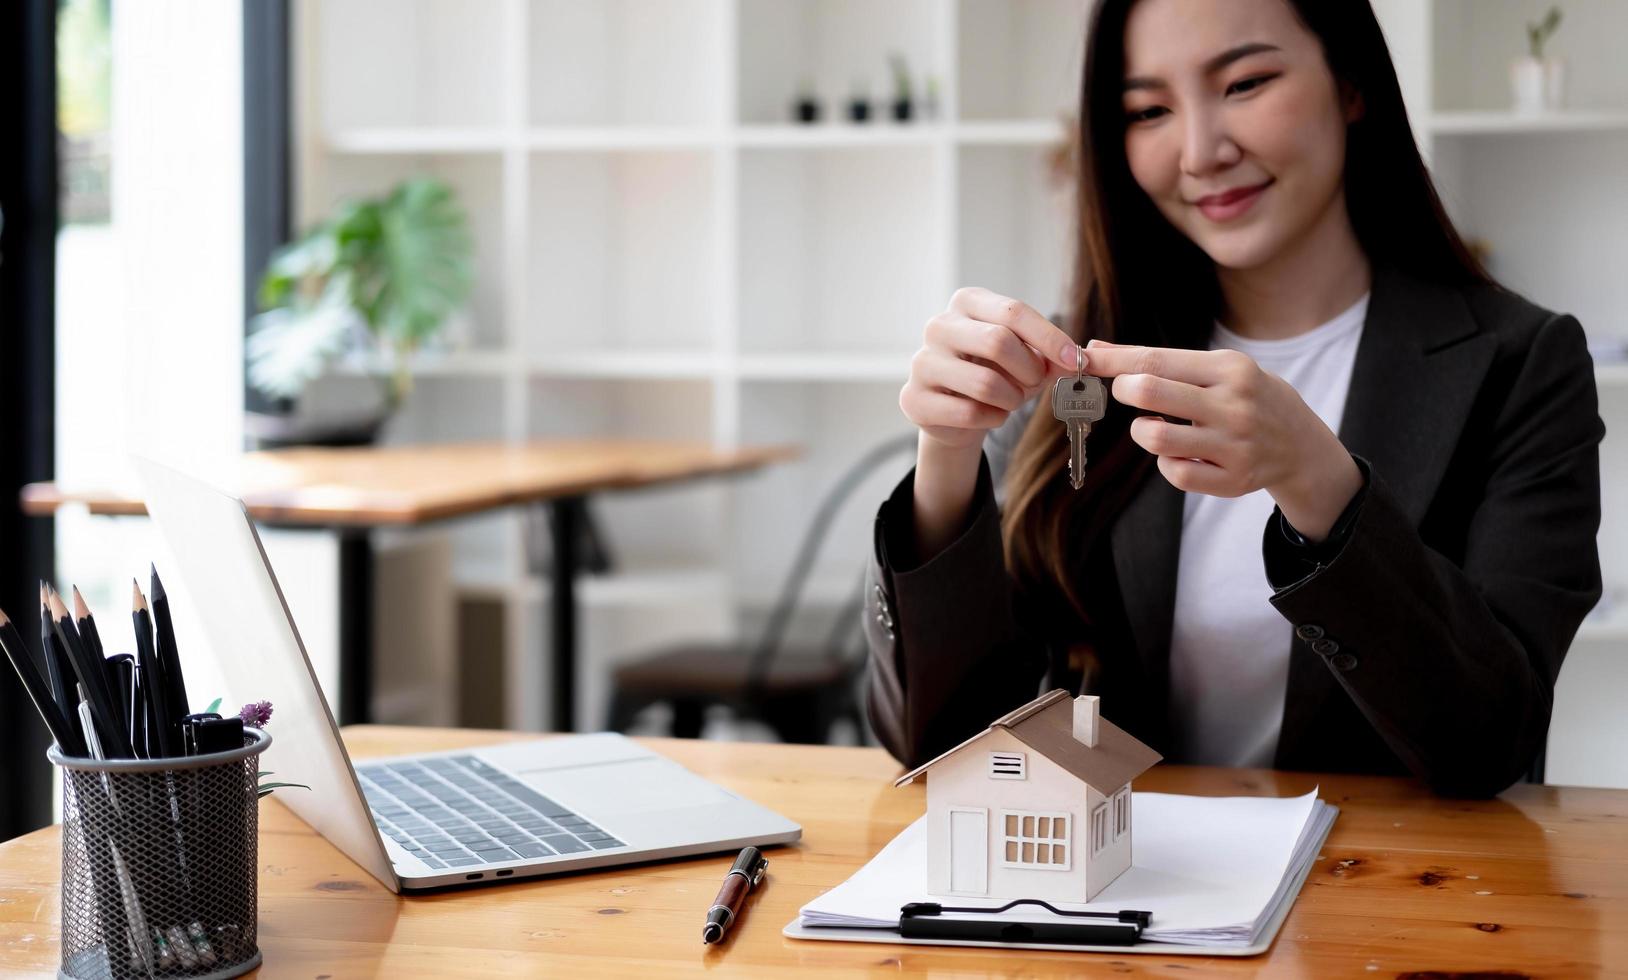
256,714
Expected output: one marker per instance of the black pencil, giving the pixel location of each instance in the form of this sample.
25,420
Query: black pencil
67,737
87,626
161,735
169,656
92,674
58,670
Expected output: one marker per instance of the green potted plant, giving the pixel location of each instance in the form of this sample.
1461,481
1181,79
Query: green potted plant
1538,82
379,278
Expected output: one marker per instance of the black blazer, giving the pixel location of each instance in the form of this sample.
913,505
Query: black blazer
1430,643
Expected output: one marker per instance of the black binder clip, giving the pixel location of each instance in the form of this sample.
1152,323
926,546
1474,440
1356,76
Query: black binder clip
926,920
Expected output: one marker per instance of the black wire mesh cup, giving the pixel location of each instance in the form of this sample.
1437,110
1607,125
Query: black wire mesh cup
160,862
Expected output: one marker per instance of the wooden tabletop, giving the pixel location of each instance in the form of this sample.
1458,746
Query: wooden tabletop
1534,883
371,486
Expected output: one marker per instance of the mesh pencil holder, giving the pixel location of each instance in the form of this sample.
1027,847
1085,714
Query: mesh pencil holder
160,863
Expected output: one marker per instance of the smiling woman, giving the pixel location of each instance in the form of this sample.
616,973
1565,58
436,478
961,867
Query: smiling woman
1355,433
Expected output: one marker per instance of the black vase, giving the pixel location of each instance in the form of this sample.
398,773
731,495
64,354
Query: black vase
859,110
901,110
808,110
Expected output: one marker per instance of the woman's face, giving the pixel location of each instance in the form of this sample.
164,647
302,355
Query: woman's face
1234,124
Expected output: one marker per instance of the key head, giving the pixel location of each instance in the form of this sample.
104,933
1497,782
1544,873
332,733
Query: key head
1084,399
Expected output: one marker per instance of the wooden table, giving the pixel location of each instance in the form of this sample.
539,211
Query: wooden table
1534,883
352,491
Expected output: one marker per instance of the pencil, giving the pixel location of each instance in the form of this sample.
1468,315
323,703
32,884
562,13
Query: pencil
67,738
92,674
87,625
159,719
169,657
58,671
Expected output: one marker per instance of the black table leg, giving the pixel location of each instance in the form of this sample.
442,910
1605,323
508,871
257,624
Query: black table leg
355,627
565,521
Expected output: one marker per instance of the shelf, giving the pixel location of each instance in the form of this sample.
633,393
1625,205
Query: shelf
415,140
624,364
833,135
826,367
621,138
1494,123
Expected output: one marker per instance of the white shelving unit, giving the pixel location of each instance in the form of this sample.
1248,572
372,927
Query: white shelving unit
662,252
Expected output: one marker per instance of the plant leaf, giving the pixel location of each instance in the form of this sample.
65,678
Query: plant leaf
214,706
290,345
268,787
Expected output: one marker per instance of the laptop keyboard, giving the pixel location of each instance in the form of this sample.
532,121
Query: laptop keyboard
457,811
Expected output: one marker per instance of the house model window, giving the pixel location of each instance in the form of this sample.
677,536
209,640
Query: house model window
1039,807
1035,840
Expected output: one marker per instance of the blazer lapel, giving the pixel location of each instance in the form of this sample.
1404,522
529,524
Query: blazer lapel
1419,365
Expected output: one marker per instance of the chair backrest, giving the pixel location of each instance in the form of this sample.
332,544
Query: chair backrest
808,551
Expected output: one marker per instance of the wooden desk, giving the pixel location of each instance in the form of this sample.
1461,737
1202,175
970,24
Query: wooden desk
354,490
1534,883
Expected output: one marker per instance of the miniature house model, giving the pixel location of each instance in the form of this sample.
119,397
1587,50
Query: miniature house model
1036,806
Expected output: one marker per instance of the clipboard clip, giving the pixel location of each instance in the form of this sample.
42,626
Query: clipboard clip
925,920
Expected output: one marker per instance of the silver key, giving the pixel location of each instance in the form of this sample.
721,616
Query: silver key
1077,402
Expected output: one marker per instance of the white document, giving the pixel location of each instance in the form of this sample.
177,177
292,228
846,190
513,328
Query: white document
1211,870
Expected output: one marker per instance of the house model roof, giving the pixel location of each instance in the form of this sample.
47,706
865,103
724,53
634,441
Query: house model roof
1046,725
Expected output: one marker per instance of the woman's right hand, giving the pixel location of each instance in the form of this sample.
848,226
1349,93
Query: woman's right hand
982,358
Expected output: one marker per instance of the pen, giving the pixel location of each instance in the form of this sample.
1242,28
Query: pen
741,879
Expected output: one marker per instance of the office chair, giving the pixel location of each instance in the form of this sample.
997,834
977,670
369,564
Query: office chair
798,691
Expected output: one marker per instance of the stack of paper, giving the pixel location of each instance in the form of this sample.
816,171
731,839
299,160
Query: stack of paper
1213,871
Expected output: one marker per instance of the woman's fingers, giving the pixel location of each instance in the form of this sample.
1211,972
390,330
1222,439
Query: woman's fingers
979,382
963,336
1163,438
1019,317
1195,367
1155,394
932,409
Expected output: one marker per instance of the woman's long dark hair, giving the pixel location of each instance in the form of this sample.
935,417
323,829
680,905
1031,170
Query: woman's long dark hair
1138,280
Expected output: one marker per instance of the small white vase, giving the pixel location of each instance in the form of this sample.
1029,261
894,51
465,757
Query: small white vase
1526,84
1554,83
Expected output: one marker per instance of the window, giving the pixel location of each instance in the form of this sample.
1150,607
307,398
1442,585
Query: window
1035,840
1099,828
1122,811
1006,765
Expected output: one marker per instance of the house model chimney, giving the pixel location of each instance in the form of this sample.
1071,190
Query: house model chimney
1085,719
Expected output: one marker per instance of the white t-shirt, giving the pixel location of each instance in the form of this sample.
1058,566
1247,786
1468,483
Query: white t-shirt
1229,648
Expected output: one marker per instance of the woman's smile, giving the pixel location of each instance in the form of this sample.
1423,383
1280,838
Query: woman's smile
1230,204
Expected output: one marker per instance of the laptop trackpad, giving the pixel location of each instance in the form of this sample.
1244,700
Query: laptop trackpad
634,786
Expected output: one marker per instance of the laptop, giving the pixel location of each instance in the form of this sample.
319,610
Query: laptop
520,810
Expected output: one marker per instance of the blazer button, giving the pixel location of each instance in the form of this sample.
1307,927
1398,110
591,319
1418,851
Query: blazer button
1344,662
1325,647
1309,632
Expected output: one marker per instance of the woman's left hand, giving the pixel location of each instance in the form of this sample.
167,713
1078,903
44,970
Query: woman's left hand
1250,430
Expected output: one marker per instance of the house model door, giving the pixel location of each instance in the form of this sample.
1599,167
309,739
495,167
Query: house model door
969,850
